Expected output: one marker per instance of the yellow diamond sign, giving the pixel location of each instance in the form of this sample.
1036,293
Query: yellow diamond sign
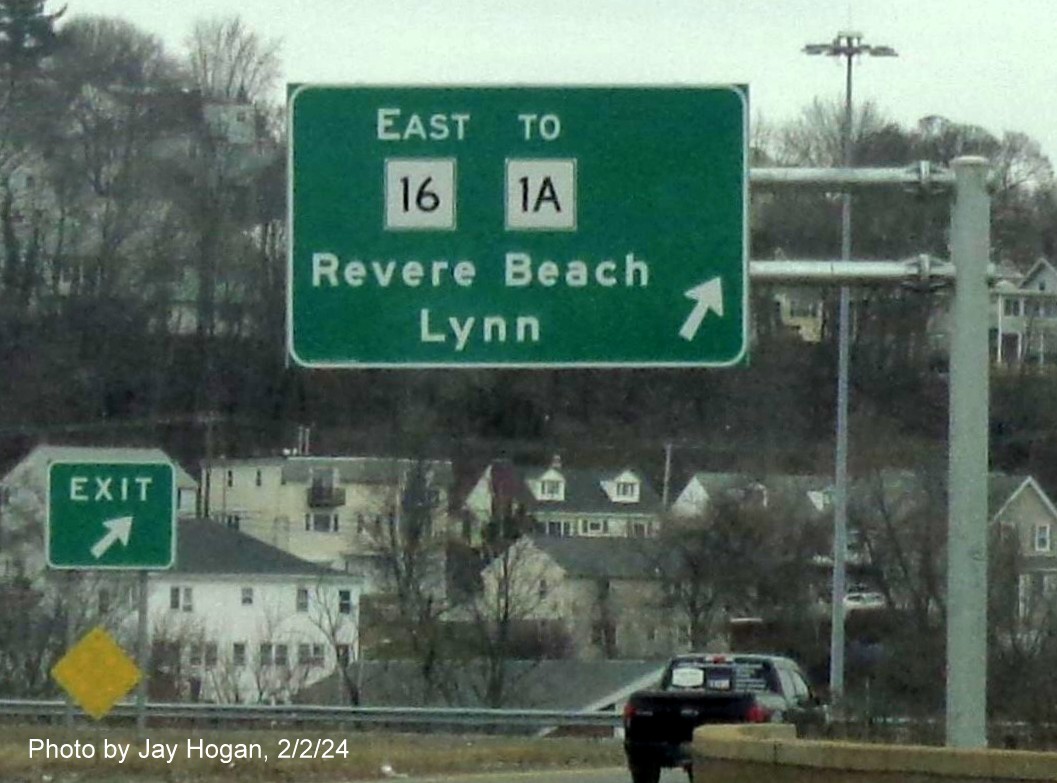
96,672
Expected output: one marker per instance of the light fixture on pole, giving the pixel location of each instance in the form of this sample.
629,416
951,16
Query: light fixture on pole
848,45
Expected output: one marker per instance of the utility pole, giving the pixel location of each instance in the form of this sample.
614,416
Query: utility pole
849,45
667,475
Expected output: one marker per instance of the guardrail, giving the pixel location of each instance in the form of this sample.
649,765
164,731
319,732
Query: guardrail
303,713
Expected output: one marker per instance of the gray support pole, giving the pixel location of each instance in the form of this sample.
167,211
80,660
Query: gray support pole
71,590
142,654
840,500
667,475
967,504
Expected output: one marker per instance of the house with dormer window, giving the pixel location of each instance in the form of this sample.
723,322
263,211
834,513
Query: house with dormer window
567,501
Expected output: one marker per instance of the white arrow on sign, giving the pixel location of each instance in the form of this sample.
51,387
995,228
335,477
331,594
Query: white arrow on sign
707,296
118,529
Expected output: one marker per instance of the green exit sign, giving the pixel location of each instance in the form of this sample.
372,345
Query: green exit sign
517,226
111,515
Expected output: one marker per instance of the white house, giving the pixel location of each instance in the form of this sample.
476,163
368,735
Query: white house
237,620
326,510
603,594
565,501
1024,316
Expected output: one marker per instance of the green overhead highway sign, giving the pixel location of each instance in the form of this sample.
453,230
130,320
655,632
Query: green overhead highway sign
517,226
111,515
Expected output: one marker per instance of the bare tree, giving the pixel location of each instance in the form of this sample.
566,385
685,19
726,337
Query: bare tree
231,62
338,622
508,620
901,517
409,556
276,675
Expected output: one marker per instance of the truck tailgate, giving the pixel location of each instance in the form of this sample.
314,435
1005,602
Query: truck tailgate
671,717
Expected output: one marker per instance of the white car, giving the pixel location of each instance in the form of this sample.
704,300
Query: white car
864,600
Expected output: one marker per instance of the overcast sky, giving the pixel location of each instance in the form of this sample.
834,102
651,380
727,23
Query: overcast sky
984,62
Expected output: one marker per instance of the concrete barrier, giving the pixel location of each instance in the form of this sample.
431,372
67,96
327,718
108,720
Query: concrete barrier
772,753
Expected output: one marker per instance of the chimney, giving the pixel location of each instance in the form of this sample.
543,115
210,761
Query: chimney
556,461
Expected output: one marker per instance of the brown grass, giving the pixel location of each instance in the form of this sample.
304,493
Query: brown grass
415,754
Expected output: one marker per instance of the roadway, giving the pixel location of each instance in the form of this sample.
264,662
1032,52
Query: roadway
606,775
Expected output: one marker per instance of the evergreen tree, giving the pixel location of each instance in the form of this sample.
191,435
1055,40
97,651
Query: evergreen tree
27,36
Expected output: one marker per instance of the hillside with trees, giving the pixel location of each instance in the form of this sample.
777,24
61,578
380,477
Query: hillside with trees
142,274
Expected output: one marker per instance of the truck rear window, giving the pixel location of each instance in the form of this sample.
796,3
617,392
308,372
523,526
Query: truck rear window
728,677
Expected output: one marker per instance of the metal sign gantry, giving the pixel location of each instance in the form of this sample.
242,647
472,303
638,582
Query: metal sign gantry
968,383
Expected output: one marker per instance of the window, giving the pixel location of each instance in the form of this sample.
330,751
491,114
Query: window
232,521
211,654
626,489
595,526
345,601
543,589
1011,307
321,523
360,526
310,654
265,658
195,656
181,599
257,479
1042,537
302,599
639,530
230,478
550,488
238,653
104,601
247,596
282,655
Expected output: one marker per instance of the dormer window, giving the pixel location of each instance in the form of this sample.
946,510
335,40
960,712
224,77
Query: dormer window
624,488
550,489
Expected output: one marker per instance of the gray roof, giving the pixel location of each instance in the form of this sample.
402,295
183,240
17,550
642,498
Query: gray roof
907,486
351,470
788,492
546,684
584,493
1000,488
603,558
207,547
38,460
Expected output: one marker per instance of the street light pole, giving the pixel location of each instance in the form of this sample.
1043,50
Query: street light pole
848,45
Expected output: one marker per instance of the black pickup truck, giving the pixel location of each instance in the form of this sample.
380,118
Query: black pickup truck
700,688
